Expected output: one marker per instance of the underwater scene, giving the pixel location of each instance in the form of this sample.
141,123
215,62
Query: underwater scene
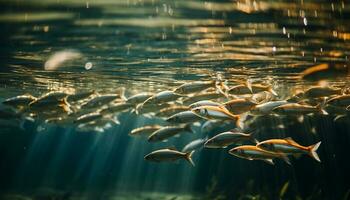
174,100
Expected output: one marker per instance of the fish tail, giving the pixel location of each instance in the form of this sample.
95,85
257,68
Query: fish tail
321,106
122,93
188,157
240,119
248,83
222,88
313,149
273,92
65,105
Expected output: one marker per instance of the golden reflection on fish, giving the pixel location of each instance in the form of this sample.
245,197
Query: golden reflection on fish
251,152
290,147
145,130
239,106
169,111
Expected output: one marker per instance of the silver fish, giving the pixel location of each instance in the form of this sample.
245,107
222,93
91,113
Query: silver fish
169,155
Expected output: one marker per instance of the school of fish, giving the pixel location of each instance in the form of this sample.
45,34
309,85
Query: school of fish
207,104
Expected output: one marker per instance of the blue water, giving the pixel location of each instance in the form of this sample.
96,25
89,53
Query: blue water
151,46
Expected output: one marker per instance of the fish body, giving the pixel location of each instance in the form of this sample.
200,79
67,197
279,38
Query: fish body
266,108
150,108
239,106
262,97
166,112
138,98
80,96
228,138
88,118
183,117
243,89
19,101
194,145
290,147
100,101
251,152
115,108
166,132
317,92
340,101
202,96
297,109
214,112
193,87
162,97
145,130
49,99
204,103
169,155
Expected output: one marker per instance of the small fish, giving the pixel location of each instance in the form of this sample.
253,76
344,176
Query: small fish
239,106
193,87
340,101
166,112
169,155
138,98
51,101
266,108
145,130
319,91
150,108
19,101
209,125
162,97
298,109
80,96
100,101
214,112
290,147
243,89
251,152
48,99
204,103
202,96
325,71
228,138
87,118
195,145
115,108
166,132
183,117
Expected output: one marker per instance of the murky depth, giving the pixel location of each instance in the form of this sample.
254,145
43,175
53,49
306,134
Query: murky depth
152,46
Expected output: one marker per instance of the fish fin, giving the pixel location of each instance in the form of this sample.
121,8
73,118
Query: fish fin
248,83
313,130
301,119
269,161
321,106
313,149
338,117
188,128
122,93
273,92
241,120
290,140
286,159
189,157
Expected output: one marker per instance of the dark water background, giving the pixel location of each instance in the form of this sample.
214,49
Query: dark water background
152,46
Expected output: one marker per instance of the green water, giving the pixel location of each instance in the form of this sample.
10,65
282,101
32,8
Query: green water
156,45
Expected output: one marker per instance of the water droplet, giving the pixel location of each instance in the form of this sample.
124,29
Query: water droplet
284,30
88,65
